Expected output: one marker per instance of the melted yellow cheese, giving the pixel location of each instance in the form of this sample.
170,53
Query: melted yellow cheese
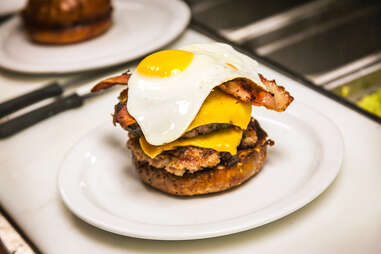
220,107
225,140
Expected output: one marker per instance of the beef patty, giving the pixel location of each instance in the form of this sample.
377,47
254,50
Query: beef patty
230,172
190,159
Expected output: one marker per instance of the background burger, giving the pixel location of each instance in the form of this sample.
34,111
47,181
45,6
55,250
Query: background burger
188,113
66,21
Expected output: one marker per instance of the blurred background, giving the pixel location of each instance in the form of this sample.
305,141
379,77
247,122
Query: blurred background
335,45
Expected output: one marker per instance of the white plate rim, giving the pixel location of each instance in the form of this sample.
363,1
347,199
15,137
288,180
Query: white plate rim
314,187
178,8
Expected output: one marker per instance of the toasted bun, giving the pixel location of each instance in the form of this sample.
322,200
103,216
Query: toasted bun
69,35
206,181
66,21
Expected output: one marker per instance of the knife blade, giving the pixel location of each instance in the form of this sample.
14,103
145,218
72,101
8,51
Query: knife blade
28,119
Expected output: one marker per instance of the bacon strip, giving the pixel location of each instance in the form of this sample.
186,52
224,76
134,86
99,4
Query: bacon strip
107,83
122,116
274,97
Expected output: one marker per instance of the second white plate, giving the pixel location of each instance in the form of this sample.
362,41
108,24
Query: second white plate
97,181
140,27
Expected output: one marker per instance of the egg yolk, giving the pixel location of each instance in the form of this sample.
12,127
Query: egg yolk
165,63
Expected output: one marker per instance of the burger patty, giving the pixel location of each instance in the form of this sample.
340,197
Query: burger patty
201,130
192,159
206,181
205,129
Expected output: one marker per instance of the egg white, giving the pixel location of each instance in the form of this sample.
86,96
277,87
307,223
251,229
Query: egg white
165,107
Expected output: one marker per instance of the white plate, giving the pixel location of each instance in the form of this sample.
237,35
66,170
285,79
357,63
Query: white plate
140,27
97,181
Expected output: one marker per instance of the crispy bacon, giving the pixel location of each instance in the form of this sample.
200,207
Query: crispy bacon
123,96
107,83
122,116
273,97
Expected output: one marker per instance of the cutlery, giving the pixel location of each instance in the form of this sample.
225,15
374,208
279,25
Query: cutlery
51,89
62,104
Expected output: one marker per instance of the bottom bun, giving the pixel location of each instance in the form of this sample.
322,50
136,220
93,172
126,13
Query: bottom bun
71,34
206,181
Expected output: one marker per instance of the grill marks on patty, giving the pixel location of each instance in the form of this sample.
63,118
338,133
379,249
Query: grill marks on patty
190,159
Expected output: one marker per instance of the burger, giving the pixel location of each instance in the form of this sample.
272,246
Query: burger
188,114
66,21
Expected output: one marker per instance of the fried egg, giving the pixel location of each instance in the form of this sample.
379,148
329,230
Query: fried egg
169,87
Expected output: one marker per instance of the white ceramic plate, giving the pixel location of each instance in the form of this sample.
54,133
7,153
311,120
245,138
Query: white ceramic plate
140,27
97,181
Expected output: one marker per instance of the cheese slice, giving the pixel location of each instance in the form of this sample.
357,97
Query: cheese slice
220,107
225,140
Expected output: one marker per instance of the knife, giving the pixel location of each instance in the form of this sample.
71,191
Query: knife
52,89
62,104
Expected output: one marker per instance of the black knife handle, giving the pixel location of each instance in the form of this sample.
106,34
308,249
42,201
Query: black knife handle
24,121
12,105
